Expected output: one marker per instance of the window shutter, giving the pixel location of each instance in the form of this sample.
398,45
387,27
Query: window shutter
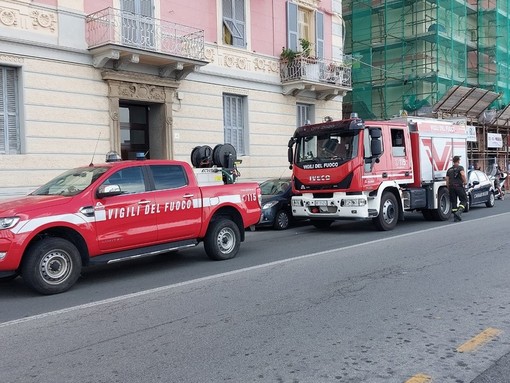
12,126
3,117
146,8
292,26
234,122
234,20
228,9
9,131
240,23
226,119
319,33
128,6
239,10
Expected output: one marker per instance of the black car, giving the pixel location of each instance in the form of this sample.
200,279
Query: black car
479,189
276,200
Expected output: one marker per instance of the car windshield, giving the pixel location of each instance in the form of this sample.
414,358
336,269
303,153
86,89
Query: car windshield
337,146
273,187
71,182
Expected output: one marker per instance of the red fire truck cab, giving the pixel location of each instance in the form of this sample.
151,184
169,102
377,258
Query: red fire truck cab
355,169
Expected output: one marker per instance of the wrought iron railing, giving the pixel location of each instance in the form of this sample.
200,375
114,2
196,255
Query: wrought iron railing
113,26
315,70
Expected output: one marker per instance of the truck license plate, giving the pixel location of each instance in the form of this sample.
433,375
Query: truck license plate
321,203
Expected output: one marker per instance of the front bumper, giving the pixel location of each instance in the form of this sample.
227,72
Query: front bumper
338,207
267,217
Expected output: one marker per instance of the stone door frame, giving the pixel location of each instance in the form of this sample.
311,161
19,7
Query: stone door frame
148,90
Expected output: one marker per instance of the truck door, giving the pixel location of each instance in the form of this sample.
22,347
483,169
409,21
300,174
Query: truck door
128,219
400,154
375,167
180,208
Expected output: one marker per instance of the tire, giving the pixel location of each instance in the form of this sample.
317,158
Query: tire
51,266
468,205
444,210
388,213
282,220
491,201
222,240
319,224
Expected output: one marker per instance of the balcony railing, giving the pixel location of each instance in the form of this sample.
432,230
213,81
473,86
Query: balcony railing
116,27
302,68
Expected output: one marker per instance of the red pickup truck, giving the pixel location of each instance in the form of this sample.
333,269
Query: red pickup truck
117,211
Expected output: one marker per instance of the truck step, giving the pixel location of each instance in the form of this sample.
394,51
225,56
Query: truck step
141,252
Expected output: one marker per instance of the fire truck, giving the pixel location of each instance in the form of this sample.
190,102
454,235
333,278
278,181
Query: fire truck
356,169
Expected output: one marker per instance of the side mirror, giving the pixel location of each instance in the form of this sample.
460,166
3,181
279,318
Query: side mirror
290,152
108,191
376,147
476,183
375,142
375,133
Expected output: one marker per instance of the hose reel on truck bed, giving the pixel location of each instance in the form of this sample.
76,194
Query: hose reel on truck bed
223,158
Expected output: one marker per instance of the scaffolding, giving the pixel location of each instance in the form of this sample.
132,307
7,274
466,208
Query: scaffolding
407,54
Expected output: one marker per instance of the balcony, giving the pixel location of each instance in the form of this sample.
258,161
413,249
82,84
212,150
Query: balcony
127,39
326,78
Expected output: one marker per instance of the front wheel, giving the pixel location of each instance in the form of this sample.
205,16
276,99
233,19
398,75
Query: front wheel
491,201
51,266
388,213
282,220
222,240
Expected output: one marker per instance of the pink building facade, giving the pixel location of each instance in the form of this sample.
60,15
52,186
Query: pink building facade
81,78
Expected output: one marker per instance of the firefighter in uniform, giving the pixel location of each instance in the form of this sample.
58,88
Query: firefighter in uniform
456,182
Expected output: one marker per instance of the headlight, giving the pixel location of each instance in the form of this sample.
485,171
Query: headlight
269,205
8,222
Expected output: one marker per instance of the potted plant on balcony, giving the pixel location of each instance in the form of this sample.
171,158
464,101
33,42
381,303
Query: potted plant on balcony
310,63
306,49
287,65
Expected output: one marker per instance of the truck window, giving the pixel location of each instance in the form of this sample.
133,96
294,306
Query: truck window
71,182
130,180
398,143
168,176
335,146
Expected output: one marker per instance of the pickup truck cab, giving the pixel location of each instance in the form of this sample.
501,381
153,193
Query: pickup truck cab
116,211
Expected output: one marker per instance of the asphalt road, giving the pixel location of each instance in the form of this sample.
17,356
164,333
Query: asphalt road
427,302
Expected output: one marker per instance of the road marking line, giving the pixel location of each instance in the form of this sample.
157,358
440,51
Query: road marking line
420,378
228,273
478,340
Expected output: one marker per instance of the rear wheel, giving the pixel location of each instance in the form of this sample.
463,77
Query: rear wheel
222,240
444,208
388,213
282,220
51,266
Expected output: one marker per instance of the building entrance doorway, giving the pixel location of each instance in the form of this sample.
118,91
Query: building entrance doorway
134,130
